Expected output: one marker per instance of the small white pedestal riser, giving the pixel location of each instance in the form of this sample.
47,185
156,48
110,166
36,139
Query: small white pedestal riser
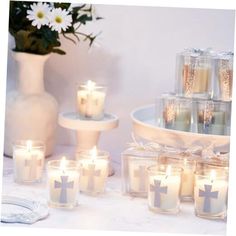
88,131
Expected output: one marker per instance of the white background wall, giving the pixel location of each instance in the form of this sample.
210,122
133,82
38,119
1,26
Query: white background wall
134,56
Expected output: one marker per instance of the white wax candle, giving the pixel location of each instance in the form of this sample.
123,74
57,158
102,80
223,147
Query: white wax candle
163,192
63,185
210,196
138,177
187,184
28,163
182,119
90,102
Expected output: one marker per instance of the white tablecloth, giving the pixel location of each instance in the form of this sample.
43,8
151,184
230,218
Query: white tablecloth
110,211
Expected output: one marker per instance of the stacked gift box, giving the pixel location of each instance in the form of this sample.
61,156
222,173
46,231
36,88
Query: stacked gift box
202,99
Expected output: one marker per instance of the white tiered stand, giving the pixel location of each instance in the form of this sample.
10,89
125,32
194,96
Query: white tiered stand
88,131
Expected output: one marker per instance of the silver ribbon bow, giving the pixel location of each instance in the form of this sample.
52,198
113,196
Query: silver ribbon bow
140,146
208,154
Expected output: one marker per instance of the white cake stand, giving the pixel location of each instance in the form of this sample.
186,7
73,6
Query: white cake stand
88,131
144,125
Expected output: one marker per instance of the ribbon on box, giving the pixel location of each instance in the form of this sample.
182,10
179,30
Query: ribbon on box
195,150
208,154
140,146
156,147
200,153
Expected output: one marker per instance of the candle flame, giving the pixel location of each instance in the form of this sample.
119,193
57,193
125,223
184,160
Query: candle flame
168,170
90,85
63,163
29,145
93,152
213,175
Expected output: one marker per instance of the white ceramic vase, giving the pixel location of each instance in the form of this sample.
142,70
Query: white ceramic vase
31,112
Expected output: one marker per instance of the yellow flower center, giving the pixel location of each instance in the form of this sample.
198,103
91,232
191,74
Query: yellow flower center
58,19
40,15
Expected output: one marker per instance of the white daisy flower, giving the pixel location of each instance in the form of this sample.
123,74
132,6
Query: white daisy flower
39,14
60,19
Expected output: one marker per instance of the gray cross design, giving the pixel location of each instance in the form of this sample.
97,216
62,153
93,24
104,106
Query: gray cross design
157,189
207,194
64,184
140,173
83,101
91,173
33,164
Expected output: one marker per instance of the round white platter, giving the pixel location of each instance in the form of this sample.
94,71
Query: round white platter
144,125
20,210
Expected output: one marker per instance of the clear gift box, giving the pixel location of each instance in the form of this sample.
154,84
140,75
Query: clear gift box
135,162
176,113
194,73
224,76
213,117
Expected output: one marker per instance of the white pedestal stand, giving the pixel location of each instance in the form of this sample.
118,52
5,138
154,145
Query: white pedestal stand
88,131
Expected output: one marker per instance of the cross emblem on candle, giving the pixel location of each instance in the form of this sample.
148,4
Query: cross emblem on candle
83,101
64,185
91,173
140,173
157,189
207,194
33,164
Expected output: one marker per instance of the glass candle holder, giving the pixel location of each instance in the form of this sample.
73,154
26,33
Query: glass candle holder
224,74
177,113
159,107
212,117
90,101
211,192
94,165
164,184
194,73
28,161
188,165
63,183
134,171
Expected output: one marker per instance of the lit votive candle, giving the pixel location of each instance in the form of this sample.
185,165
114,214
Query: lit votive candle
164,183
90,101
210,193
28,159
63,183
187,180
94,166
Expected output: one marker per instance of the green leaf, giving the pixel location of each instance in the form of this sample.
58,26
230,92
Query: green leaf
84,18
76,9
59,51
62,5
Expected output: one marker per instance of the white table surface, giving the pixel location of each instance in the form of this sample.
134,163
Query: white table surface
110,211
